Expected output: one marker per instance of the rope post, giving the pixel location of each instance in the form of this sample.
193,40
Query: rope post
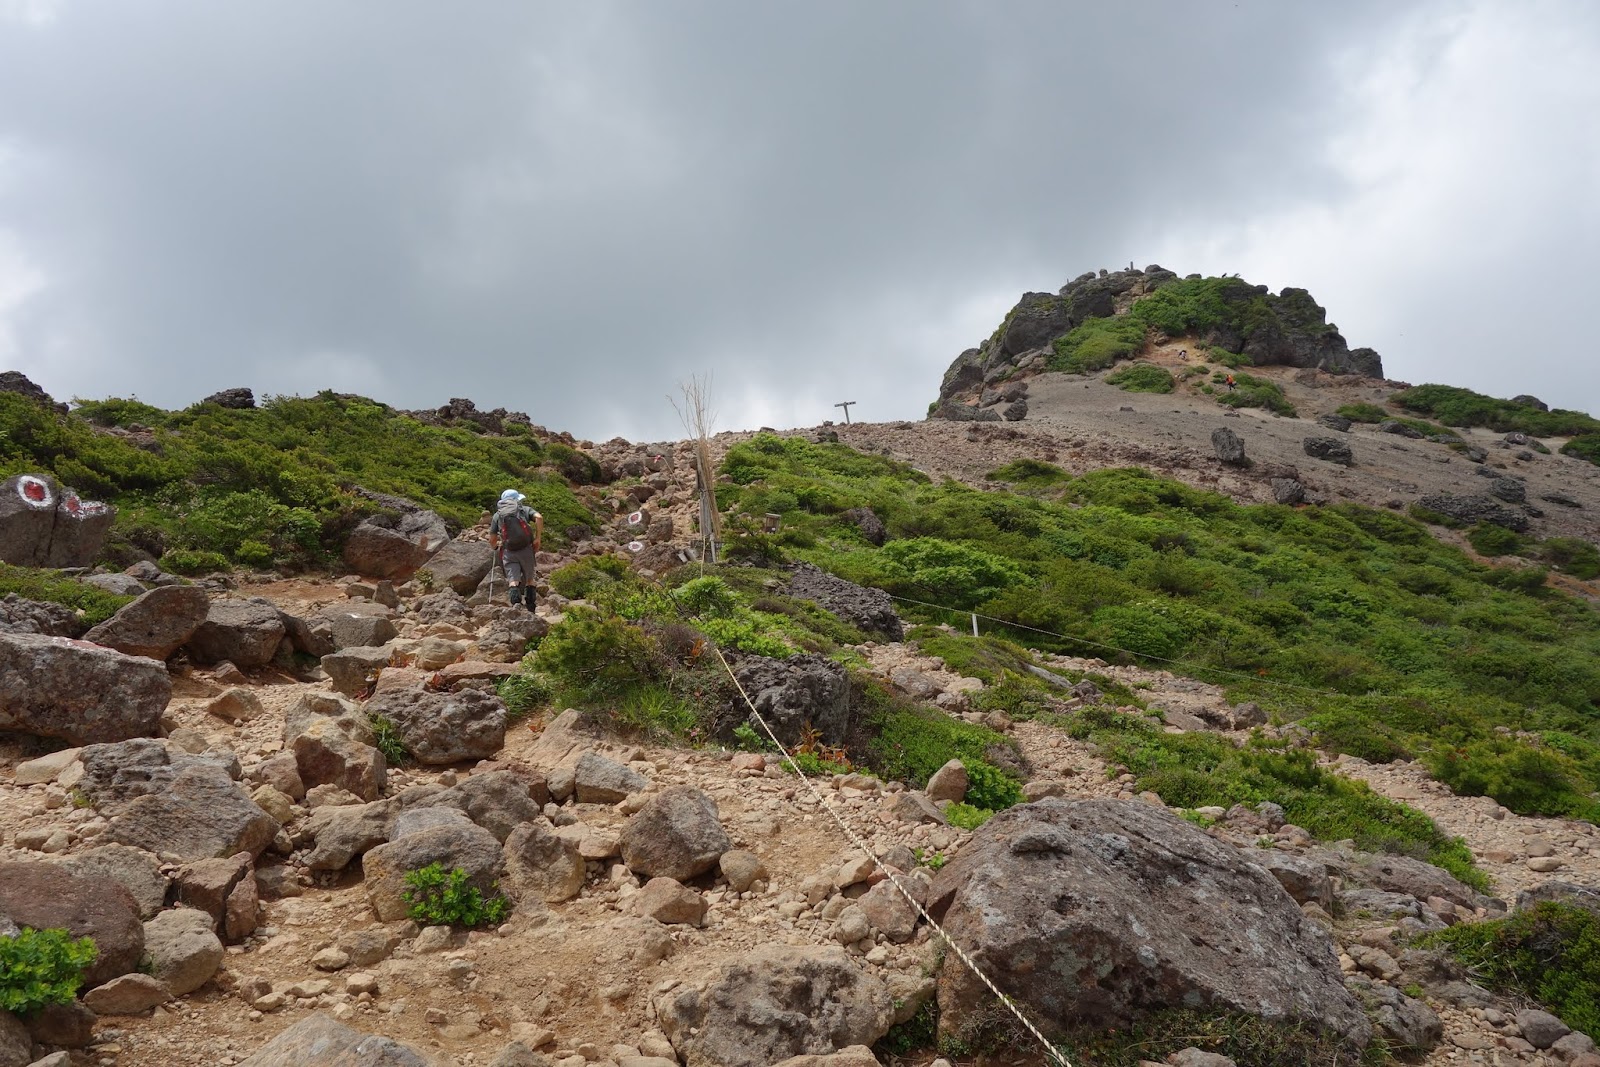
974,624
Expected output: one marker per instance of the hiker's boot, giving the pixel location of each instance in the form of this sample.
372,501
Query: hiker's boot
516,595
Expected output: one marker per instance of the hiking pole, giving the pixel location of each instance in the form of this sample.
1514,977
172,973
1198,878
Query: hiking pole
494,565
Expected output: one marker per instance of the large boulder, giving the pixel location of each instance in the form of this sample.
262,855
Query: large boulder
675,835
869,610
1097,912
46,525
461,566
342,832
16,1046
1474,508
81,693
202,814
319,1041
156,624
21,616
1229,447
439,728
1330,449
246,633
599,780
359,624
116,773
498,801
352,669
791,693
774,1003
333,744
181,949
541,863
395,547
47,896
464,845
134,869
239,398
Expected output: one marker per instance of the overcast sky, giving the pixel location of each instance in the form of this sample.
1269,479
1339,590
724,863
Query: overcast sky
568,208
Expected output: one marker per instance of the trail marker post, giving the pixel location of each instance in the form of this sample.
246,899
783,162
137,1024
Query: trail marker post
846,405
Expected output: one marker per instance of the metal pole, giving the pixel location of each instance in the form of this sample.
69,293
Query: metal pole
974,624
846,405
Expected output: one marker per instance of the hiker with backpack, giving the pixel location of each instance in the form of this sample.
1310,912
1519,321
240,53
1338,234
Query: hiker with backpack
516,533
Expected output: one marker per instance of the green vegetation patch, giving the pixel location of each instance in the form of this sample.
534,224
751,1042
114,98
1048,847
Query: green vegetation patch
1029,474
1252,392
1142,378
1573,556
42,967
97,605
1454,406
1549,953
1364,412
437,897
1097,344
1248,1040
1196,770
1586,447
1410,647
274,485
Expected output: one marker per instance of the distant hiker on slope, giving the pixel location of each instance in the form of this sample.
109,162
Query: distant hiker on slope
1230,383
516,533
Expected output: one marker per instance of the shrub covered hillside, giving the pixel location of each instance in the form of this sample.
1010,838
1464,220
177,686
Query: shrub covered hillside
274,485
1356,623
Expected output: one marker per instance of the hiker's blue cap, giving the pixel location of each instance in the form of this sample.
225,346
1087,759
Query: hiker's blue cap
511,494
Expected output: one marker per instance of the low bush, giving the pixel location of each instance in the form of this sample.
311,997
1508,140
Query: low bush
1549,953
524,693
97,605
1534,781
1586,446
388,740
1364,412
437,897
1142,378
578,580
1029,473
191,562
1569,555
1097,344
1463,407
1253,392
1487,539
42,967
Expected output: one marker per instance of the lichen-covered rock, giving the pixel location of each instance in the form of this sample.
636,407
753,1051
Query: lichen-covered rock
439,728
774,1003
81,693
461,565
245,633
1330,449
1476,508
675,835
540,863
319,1041
1096,912
47,896
790,693
182,950
156,624
1228,447
869,610
386,547
203,814
599,780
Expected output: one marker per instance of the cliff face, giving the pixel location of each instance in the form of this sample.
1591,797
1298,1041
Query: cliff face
1041,332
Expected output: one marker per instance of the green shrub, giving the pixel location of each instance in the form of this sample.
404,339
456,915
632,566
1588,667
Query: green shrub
1463,407
1031,473
523,693
1569,555
191,561
1487,539
42,967
1549,953
1534,781
1584,446
1097,344
989,787
706,595
1364,412
1253,392
598,653
436,897
97,605
578,580
1142,378
911,743
388,740
967,816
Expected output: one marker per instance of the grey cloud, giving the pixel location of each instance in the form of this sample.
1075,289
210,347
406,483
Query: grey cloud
568,208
